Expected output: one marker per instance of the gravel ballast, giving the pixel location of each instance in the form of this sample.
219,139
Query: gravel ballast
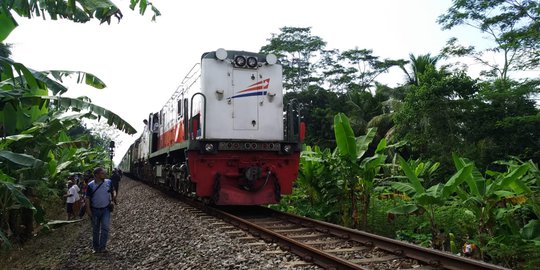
151,230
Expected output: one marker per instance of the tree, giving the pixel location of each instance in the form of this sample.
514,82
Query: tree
362,68
295,48
513,25
35,151
5,50
502,117
426,199
502,121
485,196
419,65
431,114
79,11
318,107
326,82
358,169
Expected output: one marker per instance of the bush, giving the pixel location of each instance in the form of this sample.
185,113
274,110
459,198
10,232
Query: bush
379,222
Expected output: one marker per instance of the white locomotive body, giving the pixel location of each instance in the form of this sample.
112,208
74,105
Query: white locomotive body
222,133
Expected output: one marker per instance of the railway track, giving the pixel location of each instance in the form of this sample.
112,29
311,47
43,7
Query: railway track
335,247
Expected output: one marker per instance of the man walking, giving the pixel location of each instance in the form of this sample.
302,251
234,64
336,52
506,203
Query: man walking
99,195
116,177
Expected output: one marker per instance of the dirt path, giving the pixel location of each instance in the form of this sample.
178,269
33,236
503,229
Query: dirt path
47,251
149,230
54,249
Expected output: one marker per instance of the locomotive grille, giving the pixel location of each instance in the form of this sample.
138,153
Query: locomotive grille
250,146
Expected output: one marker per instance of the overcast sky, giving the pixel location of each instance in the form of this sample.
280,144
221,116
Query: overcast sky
142,62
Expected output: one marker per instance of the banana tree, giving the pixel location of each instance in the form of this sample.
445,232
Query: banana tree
27,178
315,194
80,11
358,170
426,200
26,107
25,96
484,195
312,169
31,125
11,193
531,231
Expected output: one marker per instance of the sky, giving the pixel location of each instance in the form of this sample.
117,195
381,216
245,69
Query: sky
142,62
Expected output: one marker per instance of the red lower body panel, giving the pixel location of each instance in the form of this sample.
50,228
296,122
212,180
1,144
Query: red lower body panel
243,178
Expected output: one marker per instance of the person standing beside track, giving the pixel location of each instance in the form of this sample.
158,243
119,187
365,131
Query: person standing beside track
115,178
72,196
100,195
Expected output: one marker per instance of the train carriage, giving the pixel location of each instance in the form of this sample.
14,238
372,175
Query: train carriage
225,135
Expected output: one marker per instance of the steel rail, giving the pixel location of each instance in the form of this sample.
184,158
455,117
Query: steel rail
307,253
429,256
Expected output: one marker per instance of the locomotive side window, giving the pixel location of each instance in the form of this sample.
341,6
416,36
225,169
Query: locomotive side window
180,107
161,117
185,117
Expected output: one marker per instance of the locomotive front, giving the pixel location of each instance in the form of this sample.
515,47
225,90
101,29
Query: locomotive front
244,148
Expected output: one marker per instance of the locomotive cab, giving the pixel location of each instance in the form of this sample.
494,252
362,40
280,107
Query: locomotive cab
225,135
244,153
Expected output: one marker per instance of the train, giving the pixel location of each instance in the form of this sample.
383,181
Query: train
225,135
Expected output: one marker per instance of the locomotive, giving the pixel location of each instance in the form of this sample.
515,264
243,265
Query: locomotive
225,135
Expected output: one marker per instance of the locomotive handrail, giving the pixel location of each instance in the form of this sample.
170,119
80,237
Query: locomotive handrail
291,117
192,72
203,133
186,83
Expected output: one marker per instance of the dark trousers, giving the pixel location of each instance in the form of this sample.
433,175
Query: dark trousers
101,218
116,185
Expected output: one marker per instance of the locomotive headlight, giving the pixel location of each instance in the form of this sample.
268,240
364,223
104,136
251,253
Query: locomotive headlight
209,147
271,59
240,61
252,62
287,148
221,54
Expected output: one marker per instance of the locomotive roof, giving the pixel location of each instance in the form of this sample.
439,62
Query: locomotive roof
231,54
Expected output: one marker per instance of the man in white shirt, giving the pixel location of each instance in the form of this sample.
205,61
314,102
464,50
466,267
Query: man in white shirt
72,196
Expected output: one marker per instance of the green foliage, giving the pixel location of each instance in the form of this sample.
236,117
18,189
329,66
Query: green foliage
469,205
355,70
531,231
426,200
487,121
512,25
453,246
295,48
327,82
38,162
345,140
419,65
36,152
428,119
326,179
437,112
20,159
25,96
7,22
456,220
316,194
422,239
79,11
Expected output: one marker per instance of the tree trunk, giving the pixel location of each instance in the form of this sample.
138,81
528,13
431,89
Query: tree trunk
27,221
365,207
354,210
